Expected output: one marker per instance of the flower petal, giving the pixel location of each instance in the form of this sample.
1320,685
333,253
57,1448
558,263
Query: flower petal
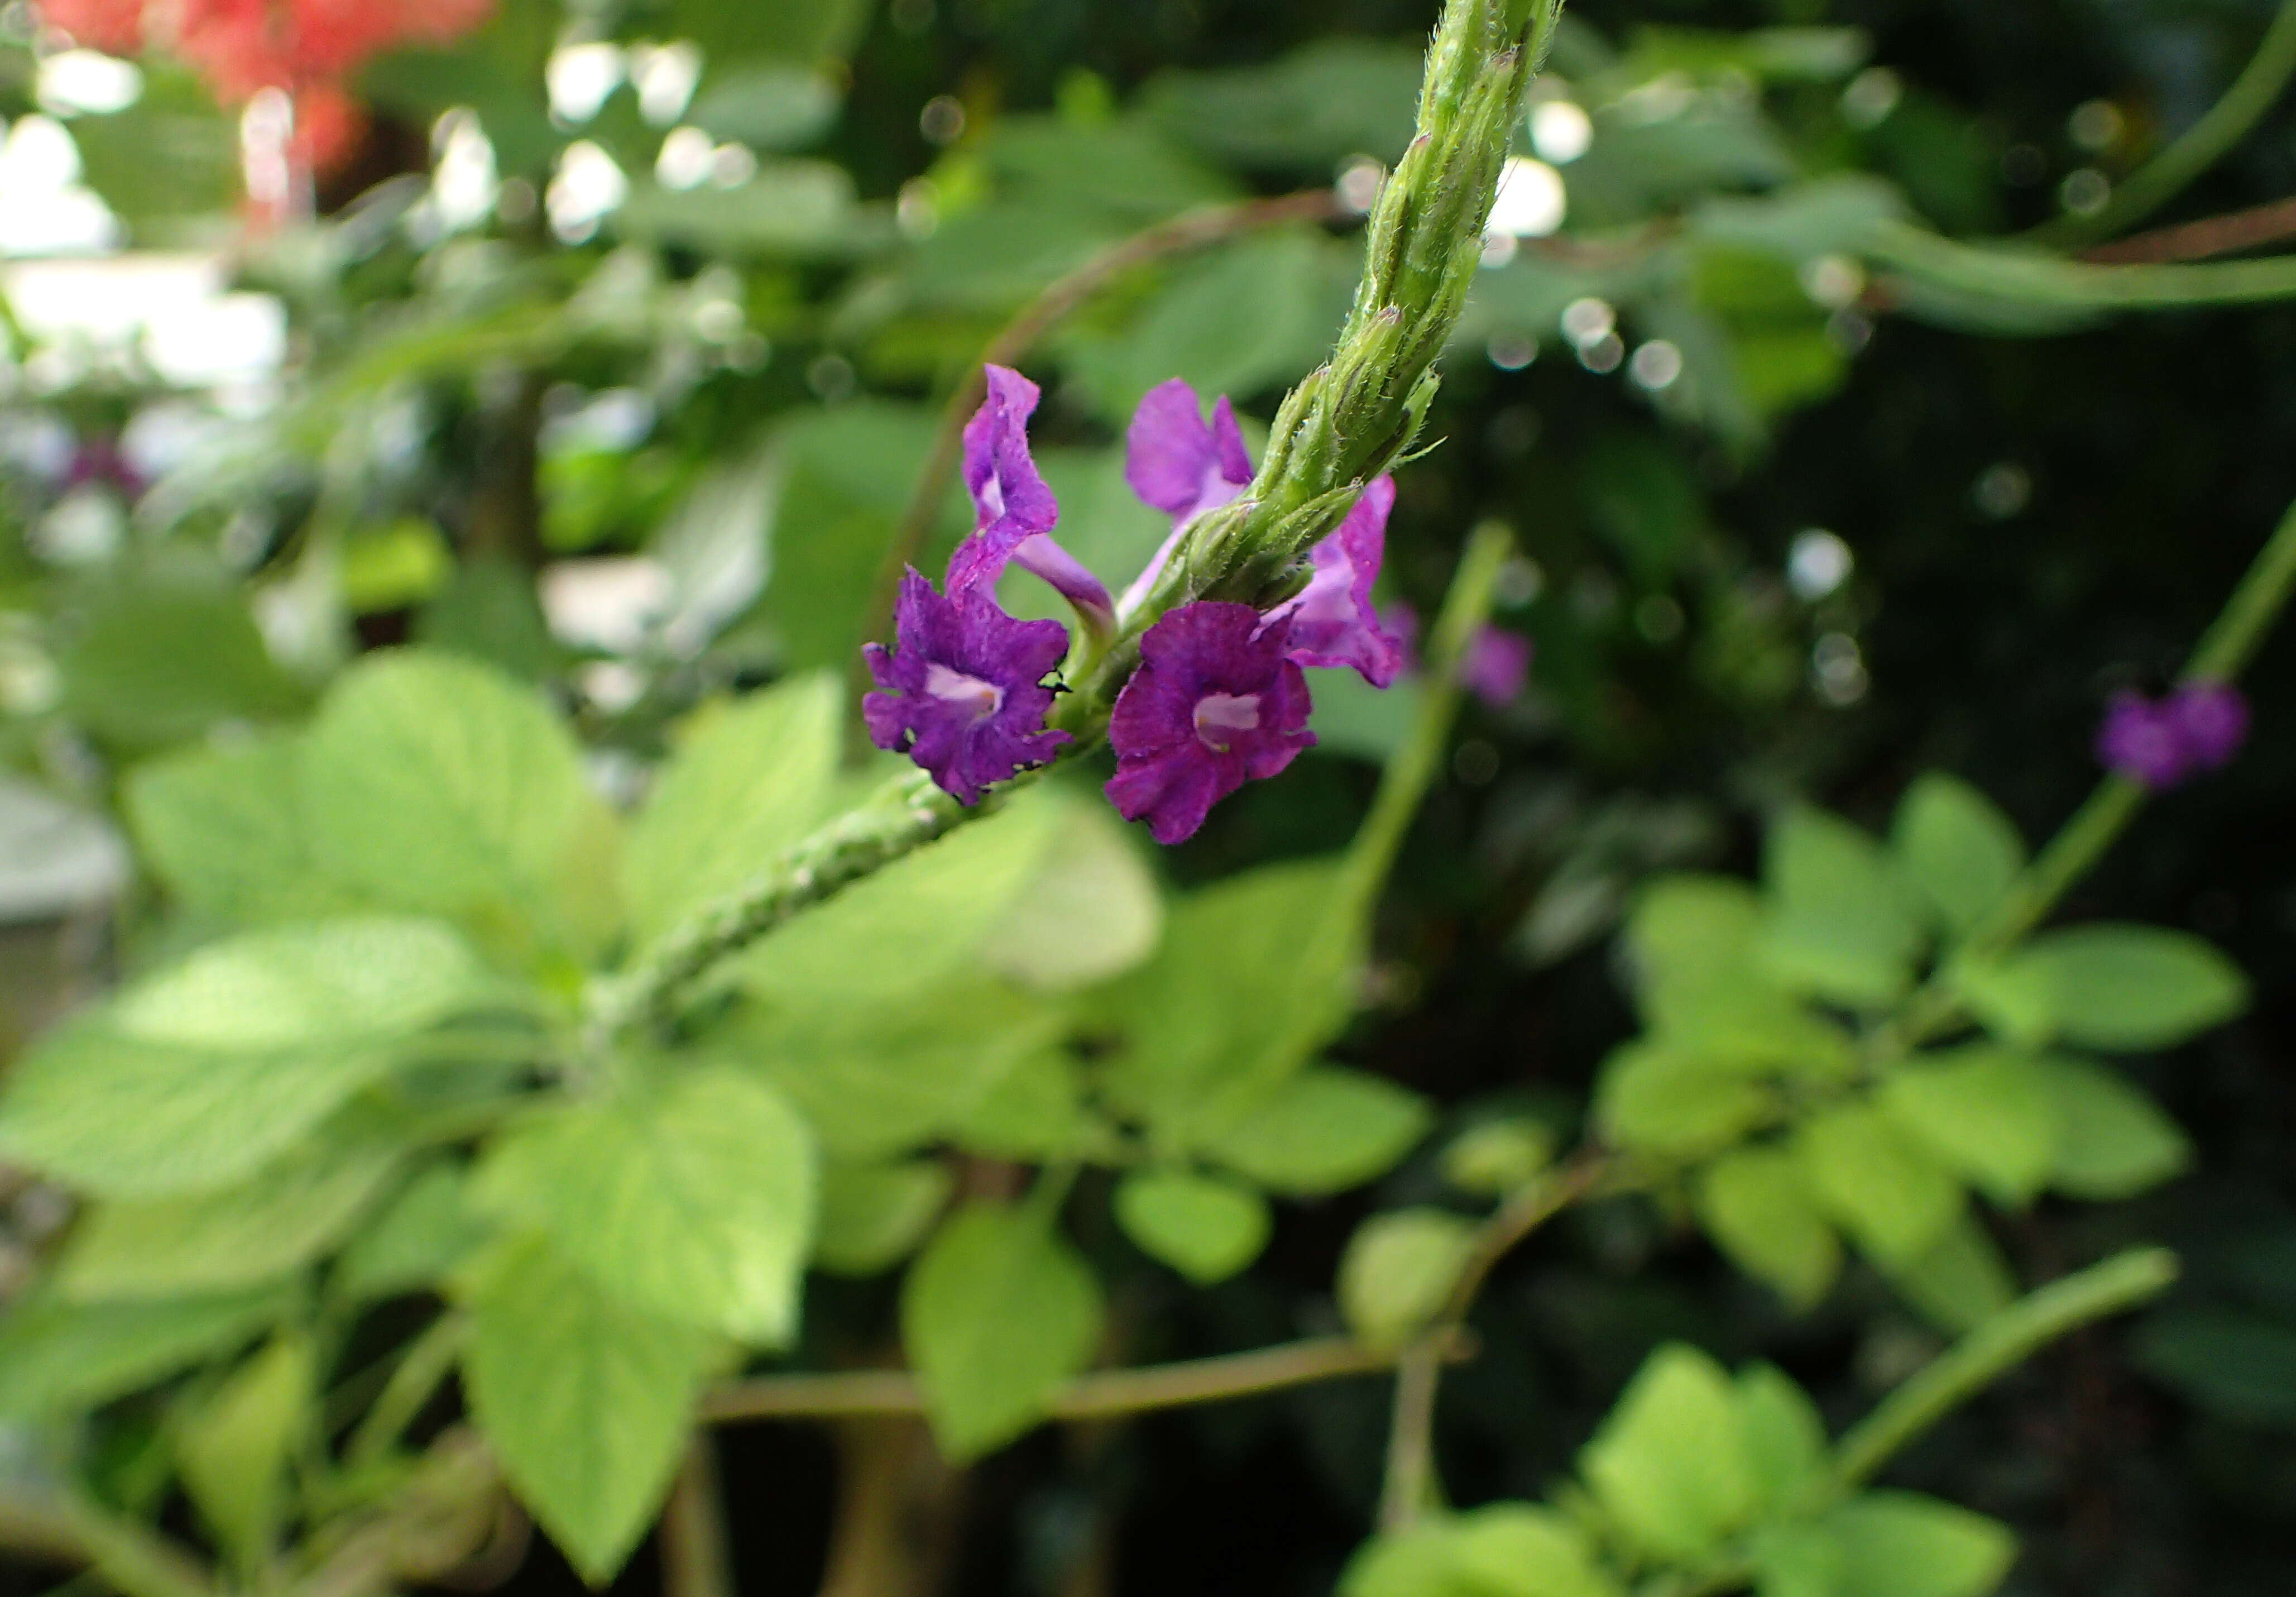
1331,621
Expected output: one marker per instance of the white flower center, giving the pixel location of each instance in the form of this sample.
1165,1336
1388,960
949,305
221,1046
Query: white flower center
1219,716
983,699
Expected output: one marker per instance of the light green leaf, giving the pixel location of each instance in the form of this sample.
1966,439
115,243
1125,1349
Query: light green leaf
223,826
747,781
1203,1227
1502,1550
1960,1280
693,1199
585,1400
1313,107
1325,1129
1416,1562
1795,1558
1498,1155
1092,912
1700,981
997,1314
211,1242
912,927
1671,1464
872,1215
417,1239
234,1449
122,1115
2129,988
1033,1113
2112,1140
162,653
1837,922
1757,1205
1399,1269
1883,1188
1986,1113
56,1356
1654,1096
1955,848
339,984
433,783
1785,1436
1900,1545
789,206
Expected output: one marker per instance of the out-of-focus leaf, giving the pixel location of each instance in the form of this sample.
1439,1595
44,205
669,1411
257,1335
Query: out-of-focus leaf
1398,1271
1203,1227
1785,1436
810,32
420,1236
1837,921
1885,1189
1828,216
1757,1205
1323,102
789,207
234,1449
1960,1280
872,1215
56,1356
2112,1140
766,105
171,159
1701,984
1776,54
1899,1544
2121,987
1093,911
162,654
1655,1096
1671,1464
1988,1113
2231,1362
488,611
1325,1129
1955,848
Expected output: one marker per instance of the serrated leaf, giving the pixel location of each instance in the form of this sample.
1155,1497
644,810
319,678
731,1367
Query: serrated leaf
747,781
1901,1544
1399,1269
997,1314
584,1399
176,1245
1986,1111
693,1199
1325,1129
1758,1205
1836,921
1203,1227
873,1216
1670,1465
57,1357
1955,848
2112,1140
1883,1188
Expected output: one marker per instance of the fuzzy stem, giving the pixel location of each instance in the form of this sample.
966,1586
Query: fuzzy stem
1995,1347
2200,146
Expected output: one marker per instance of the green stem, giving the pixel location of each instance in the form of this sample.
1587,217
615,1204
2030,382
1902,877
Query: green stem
426,1363
2023,276
1993,1349
2200,146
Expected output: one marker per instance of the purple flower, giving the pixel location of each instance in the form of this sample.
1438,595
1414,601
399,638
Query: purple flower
1331,621
1497,666
2161,742
961,690
1216,701
1014,512
1179,465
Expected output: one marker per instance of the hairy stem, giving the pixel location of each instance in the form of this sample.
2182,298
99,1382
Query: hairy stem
1994,1348
2200,146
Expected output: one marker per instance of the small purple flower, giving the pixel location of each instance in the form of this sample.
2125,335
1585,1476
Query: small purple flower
1497,666
1014,512
100,459
963,689
1179,465
1331,621
2162,742
1216,702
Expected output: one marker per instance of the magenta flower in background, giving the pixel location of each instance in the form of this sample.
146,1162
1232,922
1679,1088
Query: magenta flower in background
2162,742
1497,666
1217,701
961,691
1331,621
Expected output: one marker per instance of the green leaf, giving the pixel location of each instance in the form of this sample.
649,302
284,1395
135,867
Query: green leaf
2231,1362
873,1216
1255,973
1671,1464
1203,1227
2127,988
747,781
1837,922
1701,983
2112,1140
1757,1205
997,1314
490,611
1900,1545
433,783
1883,1188
912,925
1986,1113
1514,1550
1092,912
1960,1280
1786,1438
788,207
174,1246
1325,1129
235,1448
342,983
693,1199
165,652
1955,848
585,1400
1309,108
1399,1269
1654,1096
418,1237
57,1357
809,34
1795,1559
767,105
117,1115
1498,1155
1033,1113
223,826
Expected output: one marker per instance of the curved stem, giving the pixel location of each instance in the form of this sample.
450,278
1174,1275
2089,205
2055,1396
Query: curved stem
2030,278
2200,146
2232,233
1994,1348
